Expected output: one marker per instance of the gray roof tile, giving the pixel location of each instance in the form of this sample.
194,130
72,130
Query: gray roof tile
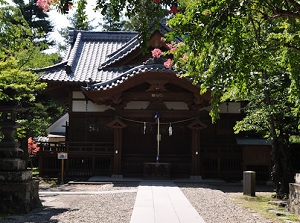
89,50
92,56
127,74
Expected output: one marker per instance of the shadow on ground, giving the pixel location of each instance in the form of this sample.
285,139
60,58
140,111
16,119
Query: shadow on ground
40,215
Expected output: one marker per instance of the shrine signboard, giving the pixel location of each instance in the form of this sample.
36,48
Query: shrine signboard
62,157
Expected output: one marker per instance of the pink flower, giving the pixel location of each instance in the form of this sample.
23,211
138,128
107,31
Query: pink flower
45,4
156,1
156,53
168,63
171,47
173,9
172,50
39,3
185,57
46,7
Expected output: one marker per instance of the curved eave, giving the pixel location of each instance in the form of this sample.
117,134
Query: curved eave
127,75
64,82
68,61
52,67
103,91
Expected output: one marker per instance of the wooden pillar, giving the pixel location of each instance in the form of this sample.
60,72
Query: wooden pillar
196,126
118,126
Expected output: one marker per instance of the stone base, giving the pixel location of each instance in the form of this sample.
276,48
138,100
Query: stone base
294,198
297,178
6,176
12,164
19,197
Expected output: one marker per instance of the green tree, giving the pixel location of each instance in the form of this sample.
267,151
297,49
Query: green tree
18,53
37,20
245,51
147,12
80,19
110,24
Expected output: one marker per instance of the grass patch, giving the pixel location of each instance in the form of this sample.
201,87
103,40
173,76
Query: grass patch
260,204
52,181
35,171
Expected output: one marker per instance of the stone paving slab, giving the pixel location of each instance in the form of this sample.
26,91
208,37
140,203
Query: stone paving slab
161,202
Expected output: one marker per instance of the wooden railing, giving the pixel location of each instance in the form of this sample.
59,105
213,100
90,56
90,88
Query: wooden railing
221,167
221,162
95,158
104,147
84,159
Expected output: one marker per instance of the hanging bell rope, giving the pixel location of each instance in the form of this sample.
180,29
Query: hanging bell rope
154,123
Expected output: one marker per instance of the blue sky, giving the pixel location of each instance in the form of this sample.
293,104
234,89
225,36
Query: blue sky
61,21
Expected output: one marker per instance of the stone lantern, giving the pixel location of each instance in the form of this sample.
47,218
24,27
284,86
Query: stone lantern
18,191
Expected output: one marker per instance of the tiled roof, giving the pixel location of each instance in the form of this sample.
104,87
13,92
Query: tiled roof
92,56
132,45
88,52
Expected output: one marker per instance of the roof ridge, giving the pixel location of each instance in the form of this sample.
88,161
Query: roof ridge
67,54
73,53
97,31
130,46
124,46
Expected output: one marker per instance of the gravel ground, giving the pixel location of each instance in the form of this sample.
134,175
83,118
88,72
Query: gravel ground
215,204
98,206
113,203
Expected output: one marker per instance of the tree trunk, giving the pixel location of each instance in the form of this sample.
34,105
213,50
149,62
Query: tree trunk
282,173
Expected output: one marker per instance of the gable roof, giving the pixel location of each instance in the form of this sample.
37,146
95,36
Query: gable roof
88,51
58,126
95,59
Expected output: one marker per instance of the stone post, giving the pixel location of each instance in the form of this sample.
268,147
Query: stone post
249,183
18,191
294,195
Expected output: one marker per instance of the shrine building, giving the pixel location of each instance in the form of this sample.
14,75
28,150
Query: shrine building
128,111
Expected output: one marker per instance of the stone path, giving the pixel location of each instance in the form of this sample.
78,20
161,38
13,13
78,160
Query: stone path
160,202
